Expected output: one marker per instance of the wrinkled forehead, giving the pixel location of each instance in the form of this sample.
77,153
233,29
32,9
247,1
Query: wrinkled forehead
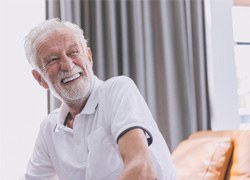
56,36
56,39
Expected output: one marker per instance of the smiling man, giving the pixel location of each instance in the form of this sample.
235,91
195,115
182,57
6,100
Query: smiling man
103,130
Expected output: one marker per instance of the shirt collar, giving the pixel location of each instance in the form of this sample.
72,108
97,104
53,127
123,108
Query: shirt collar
92,101
89,107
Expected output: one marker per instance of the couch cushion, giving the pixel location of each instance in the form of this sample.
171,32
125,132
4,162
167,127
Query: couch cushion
205,158
240,166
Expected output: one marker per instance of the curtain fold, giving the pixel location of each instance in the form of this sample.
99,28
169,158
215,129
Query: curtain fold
160,44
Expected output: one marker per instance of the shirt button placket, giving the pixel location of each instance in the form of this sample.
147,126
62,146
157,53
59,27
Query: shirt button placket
76,132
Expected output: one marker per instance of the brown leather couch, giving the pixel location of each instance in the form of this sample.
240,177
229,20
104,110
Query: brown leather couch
212,155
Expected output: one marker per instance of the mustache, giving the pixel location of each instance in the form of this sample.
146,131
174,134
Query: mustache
64,74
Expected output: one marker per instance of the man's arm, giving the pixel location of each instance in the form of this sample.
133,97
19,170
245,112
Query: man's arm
133,147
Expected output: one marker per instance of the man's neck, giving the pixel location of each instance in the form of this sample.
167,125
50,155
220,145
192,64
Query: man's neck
76,106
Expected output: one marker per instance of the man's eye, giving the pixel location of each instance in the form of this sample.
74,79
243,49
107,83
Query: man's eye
52,60
74,52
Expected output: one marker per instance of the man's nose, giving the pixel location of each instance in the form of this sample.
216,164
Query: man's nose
66,63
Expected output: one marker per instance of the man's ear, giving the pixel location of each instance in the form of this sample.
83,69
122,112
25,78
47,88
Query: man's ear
89,54
40,79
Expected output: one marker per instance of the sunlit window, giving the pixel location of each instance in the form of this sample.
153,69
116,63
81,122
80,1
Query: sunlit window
241,28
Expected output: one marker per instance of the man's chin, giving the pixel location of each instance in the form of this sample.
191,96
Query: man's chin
78,93
74,96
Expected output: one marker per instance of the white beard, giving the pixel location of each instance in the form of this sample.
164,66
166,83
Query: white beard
80,91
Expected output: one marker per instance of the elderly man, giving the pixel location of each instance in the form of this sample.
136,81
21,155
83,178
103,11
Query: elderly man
103,130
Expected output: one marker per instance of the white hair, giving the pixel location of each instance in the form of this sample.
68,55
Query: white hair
42,31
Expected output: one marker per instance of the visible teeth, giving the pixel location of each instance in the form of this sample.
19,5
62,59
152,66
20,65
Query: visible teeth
71,78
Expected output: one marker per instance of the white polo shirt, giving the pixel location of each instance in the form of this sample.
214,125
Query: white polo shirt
89,151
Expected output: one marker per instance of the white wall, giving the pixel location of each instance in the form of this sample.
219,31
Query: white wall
22,101
221,65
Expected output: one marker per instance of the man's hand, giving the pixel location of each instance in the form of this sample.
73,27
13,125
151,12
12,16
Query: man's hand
133,147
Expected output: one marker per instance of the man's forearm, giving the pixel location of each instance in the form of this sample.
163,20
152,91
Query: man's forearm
134,151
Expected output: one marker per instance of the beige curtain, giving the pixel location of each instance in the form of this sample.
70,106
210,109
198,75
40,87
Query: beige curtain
158,43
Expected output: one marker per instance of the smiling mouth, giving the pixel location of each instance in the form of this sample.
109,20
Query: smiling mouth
71,78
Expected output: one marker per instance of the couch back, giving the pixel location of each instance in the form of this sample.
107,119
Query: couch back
223,155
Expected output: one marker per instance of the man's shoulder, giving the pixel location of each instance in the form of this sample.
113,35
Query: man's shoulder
51,118
119,81
117,87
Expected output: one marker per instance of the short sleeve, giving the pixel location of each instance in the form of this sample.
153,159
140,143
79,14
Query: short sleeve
127,109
